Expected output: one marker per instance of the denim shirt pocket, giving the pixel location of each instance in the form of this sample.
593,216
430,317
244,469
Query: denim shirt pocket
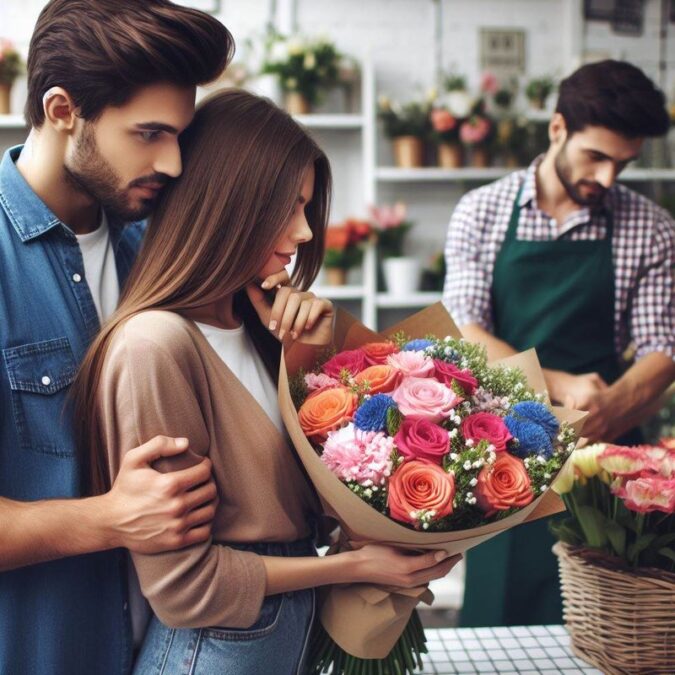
39,376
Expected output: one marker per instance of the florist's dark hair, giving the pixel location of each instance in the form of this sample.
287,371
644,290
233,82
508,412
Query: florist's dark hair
616,95
103,51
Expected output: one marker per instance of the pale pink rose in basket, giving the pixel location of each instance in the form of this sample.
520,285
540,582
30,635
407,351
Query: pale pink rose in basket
653,493
424,397
623,461
412,364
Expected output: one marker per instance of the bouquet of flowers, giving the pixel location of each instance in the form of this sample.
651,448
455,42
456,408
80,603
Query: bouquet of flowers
621,502
417,441
344,244
303,66
404,119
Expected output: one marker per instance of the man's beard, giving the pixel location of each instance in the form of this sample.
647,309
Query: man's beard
91,174
564,172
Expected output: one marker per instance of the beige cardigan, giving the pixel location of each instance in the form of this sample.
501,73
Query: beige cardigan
161,376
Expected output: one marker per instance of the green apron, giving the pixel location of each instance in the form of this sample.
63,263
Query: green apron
556,296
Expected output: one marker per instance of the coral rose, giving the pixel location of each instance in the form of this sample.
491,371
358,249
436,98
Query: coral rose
422,397
418,438
420,485
377,352
503,485
486,426
352,360
447,372
326,411
380,379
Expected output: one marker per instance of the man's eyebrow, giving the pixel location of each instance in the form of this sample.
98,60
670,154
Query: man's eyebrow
156,126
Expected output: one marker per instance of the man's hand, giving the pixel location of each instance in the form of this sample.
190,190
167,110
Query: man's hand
574,391
152,512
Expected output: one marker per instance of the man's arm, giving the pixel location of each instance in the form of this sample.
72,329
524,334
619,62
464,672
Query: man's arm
145,511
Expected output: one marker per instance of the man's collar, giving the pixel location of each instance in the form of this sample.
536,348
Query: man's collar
29,215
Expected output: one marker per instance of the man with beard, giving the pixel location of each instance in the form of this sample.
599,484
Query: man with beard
111,85
561,258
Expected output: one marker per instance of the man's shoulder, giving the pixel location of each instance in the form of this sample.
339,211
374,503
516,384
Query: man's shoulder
631,207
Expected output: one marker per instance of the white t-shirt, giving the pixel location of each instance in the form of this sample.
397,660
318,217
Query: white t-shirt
99,268
238,353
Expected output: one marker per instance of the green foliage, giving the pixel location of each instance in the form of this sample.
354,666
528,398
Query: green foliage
11,65
298,388
409,119
345,258
390,242
539,88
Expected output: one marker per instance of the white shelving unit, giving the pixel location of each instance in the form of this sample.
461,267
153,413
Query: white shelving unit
16,122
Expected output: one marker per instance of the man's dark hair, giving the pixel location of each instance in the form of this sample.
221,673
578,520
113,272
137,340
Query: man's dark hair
615,95
103,51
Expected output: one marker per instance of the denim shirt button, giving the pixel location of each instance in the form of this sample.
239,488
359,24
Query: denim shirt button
46,380
77,278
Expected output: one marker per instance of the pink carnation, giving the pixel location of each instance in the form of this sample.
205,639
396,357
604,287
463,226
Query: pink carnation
388,217
320,382
475,130
361,456
629,462
653,493
424,397
411,364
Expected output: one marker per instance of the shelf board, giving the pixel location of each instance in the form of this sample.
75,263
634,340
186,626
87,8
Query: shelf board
12,122
349,292
419,299
337,121
432,174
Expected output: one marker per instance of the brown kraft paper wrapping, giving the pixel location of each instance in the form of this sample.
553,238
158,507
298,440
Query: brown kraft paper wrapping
367,620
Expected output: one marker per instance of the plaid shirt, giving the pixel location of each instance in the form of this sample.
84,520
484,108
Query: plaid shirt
643,250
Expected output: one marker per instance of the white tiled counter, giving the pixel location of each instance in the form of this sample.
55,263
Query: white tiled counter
517,650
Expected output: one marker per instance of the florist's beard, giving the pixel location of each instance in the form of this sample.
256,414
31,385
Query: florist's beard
91,174
564,172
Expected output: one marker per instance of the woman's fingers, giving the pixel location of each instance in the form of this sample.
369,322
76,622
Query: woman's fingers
320,307
300,323
282,278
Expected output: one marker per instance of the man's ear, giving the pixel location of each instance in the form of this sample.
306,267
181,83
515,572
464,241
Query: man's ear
59,109
557,129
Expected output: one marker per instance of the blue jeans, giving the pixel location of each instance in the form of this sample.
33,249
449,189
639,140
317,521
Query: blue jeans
274,645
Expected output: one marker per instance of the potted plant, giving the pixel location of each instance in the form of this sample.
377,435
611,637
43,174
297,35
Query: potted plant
476,134
391,225
10,68
446,134
617,556
305,68
344,247
433,276
407,125
538,90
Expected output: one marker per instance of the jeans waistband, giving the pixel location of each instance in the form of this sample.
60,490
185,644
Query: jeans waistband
301,547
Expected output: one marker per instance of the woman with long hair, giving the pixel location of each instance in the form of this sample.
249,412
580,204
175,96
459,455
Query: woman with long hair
193,351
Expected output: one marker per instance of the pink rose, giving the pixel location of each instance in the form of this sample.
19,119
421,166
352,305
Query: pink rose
423,397
353,360
411,364
418,438
648,494
486,426
447,372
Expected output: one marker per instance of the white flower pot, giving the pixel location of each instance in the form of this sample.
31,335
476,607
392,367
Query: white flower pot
401,275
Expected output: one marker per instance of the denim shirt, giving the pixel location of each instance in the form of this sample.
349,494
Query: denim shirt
69,616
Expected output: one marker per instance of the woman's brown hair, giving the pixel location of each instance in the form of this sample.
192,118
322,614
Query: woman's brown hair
103,51
244,162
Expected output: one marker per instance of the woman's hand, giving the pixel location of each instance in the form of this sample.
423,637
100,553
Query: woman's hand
299,315
390,566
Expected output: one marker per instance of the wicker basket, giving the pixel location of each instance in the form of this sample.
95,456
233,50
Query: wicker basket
620,621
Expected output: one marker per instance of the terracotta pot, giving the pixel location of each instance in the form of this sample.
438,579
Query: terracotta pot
480,158
408,152
450,155
537,103
5,90
296,103
512,161
336,276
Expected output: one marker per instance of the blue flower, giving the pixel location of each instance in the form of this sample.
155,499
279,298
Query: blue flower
417,345
372,414
539,414
532,438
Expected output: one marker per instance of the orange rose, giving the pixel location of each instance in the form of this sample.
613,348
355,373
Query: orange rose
503,485
380,379
420,485
326,411
377,352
